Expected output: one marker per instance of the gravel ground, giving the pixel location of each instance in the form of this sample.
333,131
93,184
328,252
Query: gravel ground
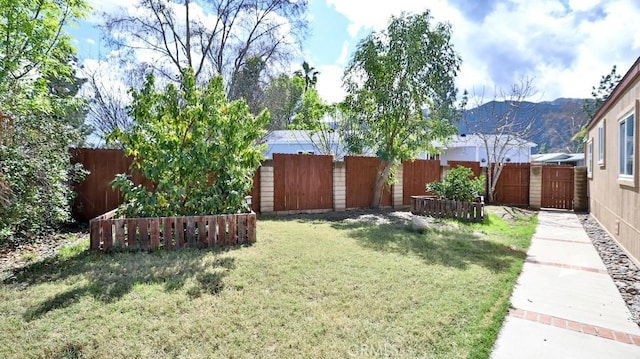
623,270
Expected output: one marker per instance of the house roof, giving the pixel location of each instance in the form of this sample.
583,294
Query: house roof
466,140
627,81
557,157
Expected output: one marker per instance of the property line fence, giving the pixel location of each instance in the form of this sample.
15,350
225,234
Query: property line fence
445,208
107,232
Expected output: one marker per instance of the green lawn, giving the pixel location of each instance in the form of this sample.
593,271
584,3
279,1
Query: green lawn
307,288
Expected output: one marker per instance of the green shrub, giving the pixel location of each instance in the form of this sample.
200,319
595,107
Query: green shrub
458,184
196,147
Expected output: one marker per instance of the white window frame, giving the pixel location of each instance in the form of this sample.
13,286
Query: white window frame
601,143
590,158
625,158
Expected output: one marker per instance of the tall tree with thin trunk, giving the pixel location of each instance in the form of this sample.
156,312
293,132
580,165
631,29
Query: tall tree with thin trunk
395,74
213,37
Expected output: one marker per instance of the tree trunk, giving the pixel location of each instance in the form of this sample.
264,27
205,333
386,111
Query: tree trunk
379,185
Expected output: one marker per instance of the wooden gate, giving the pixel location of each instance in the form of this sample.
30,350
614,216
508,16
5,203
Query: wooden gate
302,182
557,187
415,176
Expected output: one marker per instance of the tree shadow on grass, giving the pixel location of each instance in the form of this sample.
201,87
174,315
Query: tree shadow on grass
108,277
446,246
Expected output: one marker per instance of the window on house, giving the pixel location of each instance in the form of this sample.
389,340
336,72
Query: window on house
601,143
590,158
625,146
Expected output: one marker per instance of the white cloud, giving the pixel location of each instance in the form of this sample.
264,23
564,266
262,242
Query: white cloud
565,46
344,53
91,41
329,84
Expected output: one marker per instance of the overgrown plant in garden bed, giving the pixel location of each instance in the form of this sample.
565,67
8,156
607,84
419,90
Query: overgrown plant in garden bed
199,150
457,196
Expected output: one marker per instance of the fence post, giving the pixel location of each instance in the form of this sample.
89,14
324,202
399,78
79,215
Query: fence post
580,199
397,188
339,187
535,187
266,187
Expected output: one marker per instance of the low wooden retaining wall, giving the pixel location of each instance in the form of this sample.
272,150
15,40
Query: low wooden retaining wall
107,232
445,208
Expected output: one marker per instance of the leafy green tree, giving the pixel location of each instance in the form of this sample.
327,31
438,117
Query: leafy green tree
393,75
197,147
281,98
246,83
35,130
458,184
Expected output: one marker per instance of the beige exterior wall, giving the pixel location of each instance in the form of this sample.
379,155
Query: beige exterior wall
535,187
615,201
339,187
266,189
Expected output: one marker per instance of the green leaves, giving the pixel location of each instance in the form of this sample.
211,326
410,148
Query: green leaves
393,75
458,184
196,147
396,73
35,173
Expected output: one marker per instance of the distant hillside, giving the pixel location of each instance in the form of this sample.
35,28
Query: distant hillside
555,122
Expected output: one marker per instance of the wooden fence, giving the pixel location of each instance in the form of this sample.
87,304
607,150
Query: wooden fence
94,195
298,182
474,166
107,232
513,185
302,182
415,176
361,174
444,208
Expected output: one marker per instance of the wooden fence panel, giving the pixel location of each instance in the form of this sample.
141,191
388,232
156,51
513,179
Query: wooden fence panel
474,166
361,173
302,182
94,195
513,185
415,176
557,187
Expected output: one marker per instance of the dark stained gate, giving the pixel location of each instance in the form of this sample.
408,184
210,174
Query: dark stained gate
302,182
557,187
513,185
361,174
415,176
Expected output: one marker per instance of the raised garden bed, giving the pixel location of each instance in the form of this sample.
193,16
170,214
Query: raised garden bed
108,232
445,208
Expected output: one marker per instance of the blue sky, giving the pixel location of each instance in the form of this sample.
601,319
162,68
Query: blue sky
565,45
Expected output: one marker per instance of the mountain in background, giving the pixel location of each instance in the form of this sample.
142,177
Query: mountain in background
554,122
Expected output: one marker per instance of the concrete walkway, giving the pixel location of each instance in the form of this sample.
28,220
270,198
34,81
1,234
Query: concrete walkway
565,304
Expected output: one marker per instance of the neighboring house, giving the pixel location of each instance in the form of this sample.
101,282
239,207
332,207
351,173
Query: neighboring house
558,158
612,163
302,142
472,147
459,148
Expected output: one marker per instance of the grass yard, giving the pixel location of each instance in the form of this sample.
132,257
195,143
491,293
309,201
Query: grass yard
308,288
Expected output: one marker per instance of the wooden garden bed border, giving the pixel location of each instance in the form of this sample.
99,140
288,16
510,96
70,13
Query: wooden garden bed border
107,232
445,208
